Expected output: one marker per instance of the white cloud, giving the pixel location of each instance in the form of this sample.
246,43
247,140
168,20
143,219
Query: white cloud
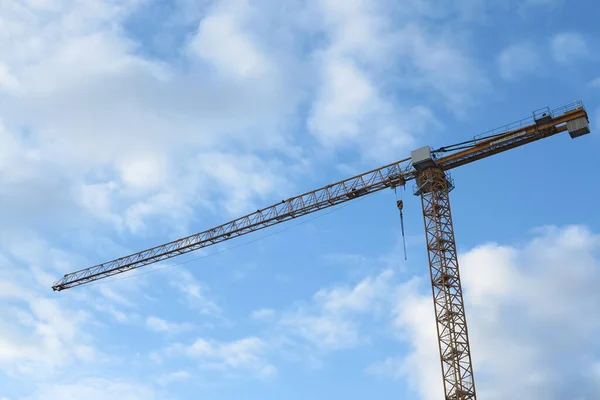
263,313
222,41
146,171
440,63
173,377
521,301
110,292
155,357
7,80
194,292
351,110
596,373
347,92
243,355
416,322
357,101
39,336
323,331
107,135
350,107
569,47
332,320
97,199
95,389
160,325
242,177
390,367
360,298
135,141
118,315
357,26
518,60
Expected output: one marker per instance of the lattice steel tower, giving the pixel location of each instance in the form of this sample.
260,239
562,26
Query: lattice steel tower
434,186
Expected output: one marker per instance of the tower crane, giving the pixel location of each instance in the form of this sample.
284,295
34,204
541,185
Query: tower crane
433,183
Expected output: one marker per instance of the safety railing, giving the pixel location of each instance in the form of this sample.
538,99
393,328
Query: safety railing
530,120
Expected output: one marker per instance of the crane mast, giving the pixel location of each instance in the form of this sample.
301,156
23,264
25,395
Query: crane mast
451,322
430,170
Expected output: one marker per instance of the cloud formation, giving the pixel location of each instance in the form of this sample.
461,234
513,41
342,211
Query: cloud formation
246,355
521,301
518,60
97,389
333,320
100,128
569,47
115,133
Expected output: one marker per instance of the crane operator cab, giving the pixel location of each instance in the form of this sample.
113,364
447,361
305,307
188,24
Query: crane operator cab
542,116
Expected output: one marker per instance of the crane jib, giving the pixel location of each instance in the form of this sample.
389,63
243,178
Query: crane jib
307,203
505,139
571,117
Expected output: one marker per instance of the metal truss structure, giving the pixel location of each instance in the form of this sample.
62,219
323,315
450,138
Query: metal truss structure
453,339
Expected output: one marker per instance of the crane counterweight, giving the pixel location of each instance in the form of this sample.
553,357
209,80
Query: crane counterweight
578,127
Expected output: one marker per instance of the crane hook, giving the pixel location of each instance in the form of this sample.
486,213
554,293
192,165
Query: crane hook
400,205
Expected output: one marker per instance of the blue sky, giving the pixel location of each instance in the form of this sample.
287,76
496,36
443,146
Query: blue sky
125,124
